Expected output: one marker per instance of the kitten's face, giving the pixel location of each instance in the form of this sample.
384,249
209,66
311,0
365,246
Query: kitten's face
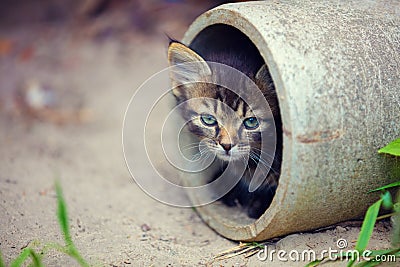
224,123
219,117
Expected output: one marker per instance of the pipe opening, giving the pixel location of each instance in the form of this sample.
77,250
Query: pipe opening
218,43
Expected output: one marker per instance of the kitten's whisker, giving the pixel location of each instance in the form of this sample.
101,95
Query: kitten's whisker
196,156
264,170
207,154
271,157
194,143
277,172
200,155
246,161
263,152
257,159
189,147
268,168
275,158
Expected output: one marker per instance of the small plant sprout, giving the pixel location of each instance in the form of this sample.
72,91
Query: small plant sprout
69,247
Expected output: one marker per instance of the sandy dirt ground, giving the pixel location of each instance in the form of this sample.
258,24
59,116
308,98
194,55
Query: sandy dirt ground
113,222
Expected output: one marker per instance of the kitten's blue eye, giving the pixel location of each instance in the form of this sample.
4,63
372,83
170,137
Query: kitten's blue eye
208,120
251,123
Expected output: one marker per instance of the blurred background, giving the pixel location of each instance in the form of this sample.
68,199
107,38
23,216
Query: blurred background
45,38
67,72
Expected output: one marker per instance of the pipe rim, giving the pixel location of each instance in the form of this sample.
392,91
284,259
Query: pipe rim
223,15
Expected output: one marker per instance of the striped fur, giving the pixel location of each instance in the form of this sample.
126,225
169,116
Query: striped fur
196,86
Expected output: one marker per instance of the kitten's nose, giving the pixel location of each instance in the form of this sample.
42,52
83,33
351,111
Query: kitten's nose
227,147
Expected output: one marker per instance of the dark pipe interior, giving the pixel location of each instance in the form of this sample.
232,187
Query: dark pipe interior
220,38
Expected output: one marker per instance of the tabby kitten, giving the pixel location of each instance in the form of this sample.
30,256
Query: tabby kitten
231,136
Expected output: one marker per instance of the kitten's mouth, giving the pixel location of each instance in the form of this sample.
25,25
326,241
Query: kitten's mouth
228,156
225,157
234,153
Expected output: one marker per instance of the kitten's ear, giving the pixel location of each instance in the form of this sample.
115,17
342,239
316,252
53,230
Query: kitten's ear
189,66
263,75
264,80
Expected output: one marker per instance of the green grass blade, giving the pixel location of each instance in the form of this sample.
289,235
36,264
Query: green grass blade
35,258
2,264
62,215
63,221
350,263
387,201
73,252
396,231
256,244
22,257
373,260
314,263
368,226
383,252
395,184
393,148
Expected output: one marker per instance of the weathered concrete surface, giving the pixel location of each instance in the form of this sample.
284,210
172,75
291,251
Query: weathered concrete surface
336,67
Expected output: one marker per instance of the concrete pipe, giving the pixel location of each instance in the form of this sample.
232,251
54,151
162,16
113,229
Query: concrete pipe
336,69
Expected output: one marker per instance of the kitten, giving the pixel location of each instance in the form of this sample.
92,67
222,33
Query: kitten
229,136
